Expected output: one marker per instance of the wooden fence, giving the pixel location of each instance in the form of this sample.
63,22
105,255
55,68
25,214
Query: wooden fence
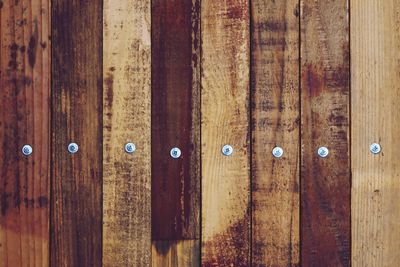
199,133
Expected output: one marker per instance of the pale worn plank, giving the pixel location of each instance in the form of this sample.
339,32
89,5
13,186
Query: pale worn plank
225,120
24,119
375,43
126,114
325,182
275,122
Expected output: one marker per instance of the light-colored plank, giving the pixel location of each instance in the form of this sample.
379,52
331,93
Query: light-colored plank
225,120
325,86
24,119
375,56
275,122
127,93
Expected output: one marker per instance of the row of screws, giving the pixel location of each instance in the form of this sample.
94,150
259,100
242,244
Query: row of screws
227,150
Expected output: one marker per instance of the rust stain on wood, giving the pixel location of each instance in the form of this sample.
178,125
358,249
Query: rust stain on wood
325,188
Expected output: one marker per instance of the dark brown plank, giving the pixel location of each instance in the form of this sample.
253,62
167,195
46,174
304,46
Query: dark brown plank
175,123
325,182
24,119
76,202
225,106
275,123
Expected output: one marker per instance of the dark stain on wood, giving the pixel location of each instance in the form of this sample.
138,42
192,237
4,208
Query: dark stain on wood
175,101
231,241
326,182
77,111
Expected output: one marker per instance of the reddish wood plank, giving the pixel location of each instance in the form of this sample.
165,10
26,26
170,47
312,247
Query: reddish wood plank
225,33
325,182
275,122
24,119
76,201
175,123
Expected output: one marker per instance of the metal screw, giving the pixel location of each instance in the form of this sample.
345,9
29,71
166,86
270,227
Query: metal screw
375,148
227,150
73,148
277,152
27,150
130,148
323,152
175,153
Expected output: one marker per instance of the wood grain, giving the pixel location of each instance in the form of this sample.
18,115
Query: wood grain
77,96
24,119
185,253
275,122
375,95
325,182
175,123
225,33
126,114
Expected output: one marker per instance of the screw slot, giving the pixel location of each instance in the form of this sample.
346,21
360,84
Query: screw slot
227,150
277,152
175,153
27,150
375,148
130,148
73,148
323,152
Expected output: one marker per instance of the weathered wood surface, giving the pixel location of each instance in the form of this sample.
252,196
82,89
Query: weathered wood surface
325,182
175,123
225,33
183,253
76,200
126,99
24,119
375,39
275,122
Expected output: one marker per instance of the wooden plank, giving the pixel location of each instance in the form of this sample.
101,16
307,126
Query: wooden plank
126,99
375,39
175,123
24,119
225,33
181,253
325,182
275,122
76,201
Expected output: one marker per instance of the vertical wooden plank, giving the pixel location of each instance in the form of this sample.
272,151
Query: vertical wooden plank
76,201
175,123
275,122
24,119
325,182
126,99
225,33
375,55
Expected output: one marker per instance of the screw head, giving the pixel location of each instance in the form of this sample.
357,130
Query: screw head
175,152
375,148
27,150
73,148
323,152
130,148
277,152
227,150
